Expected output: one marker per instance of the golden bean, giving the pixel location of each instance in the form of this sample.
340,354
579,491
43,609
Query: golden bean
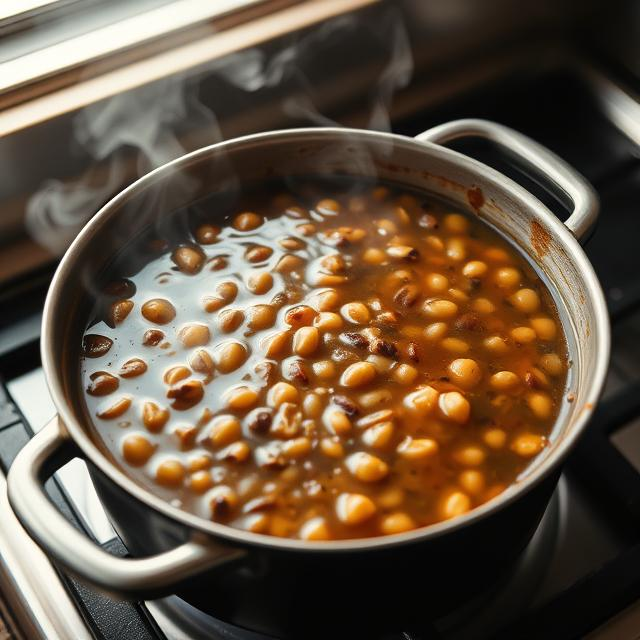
324,369
404,374
507,277
552,364
228,356
199,463
261,316
260,283
366,467
186,394
465,372
120,310
258,253
280,393
152,337
496,345
158,311
300,316
354,508
296,448
417,449
207,233
495,438
136,449
312,405
455,504
472,481
288,263
102,384
115,410
236,452
525,300
458,295
373,418
170,473
327,300
374,256
222,500
188,259
456,249
194,335
332,447
455,223
495,254
305,341
540,404
224,430
398,522
523,335
133,368
275,343
328,321
176,374
436,282
358,374
470,456
435,331
474,269
455,345
454,406
200,482
374,398
339,422
504,380
315,529
241,398
528,445
422,401
154,417
247,221
545,328
356,312
484,306
391,498
438,309
379,435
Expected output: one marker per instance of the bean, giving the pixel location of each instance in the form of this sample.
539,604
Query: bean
324,369
483,305
403,252
455,345
474,269
470,456
327,300
404,374
292,244
374,418
552,364
454,406
280,393
119,311
175,374
355,312
456,249
439,309
398,522
188,259
312,405
417,449
225,293
504,380
540,405
194,335
242,398
328,321
288,263
207,233
354,508
315,529
525,300
332,447
358,374
170,473
545,328
422,401
222,501
102,384
528,445
472,481
366,467
338,422
95,346
228,356
200,482
154,417
305,341
496,345
258,253
158,311
261,316
202,362
495,254
136,449
217,263
152,337
435,331
507,277
236,452
296,448
374,256
379,435
300,316
455,223
186,394
306,229
247,221
436,282
186,434
455,504
275,344
374,398
465,372
115,410
523,335
224,430
495,438
260,283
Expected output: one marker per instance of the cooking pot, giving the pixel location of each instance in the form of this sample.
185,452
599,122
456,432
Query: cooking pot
297,588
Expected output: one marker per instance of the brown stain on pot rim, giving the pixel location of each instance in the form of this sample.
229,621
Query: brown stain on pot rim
475,198
540,238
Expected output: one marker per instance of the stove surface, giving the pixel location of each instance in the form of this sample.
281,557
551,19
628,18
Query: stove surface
583,566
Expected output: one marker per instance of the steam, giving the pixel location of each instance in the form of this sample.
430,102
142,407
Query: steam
130,134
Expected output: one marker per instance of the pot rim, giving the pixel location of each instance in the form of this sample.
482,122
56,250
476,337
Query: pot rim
555,455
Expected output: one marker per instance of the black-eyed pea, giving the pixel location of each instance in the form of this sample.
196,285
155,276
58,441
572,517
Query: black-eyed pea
435,331
280,393
332,447
194,335
421,402
397,522
200,481
483,306
102,384
176,374
315,529
154,417
527,445
158,311
545,328
525,300
241,398
222,501
296,447
474,269
523,335
454,505
465,372
356,312
495,438
379,435
137,449
470,456
366,467
472,481
404,374
115,409
552,364
170,473
417,449
454,406
455,345
247,221
439,309
403,252
496,345
504,381
455,223
324,369
456,249
540,404
306,341
228,356
223,431
260,283
358,374
312,405
354,508
507,277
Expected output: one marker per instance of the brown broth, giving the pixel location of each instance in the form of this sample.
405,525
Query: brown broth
383,448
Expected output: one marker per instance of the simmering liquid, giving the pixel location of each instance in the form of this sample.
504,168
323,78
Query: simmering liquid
327,363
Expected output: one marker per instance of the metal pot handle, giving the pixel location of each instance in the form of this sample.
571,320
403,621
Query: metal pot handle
545,162
44,454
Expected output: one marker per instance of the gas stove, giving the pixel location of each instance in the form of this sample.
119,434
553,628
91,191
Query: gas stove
580,575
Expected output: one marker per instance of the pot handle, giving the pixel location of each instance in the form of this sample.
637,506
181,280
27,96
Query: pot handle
545,162
50,449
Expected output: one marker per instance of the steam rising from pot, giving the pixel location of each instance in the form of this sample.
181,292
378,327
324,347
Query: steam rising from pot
130,134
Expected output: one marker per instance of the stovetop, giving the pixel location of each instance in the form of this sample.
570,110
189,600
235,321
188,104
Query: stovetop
580,576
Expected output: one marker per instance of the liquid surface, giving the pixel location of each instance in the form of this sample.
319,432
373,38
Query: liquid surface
330,365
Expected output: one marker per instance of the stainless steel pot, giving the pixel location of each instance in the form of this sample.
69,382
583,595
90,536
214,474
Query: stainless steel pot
265,582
